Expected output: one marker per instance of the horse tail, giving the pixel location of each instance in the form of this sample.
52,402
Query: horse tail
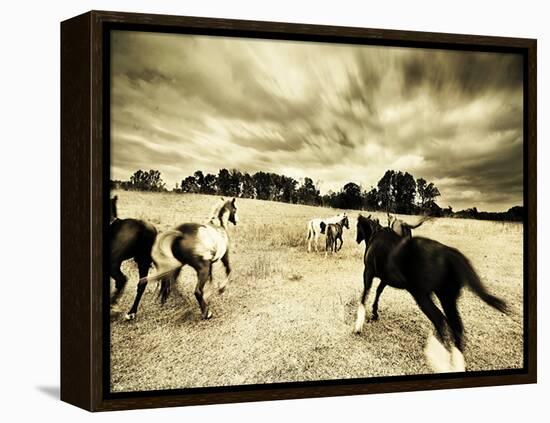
166,283
465,269
309,234
419,223
167,265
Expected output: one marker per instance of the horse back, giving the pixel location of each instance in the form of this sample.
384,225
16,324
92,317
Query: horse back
378,253
200,241
426,263
131,238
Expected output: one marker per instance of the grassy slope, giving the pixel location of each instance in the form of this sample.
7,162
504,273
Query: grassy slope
288,315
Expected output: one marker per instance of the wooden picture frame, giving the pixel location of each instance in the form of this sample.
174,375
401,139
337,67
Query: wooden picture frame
84,212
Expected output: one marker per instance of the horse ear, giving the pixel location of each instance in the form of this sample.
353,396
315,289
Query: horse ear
115,198
222,199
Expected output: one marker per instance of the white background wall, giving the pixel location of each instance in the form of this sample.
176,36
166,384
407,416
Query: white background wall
29,353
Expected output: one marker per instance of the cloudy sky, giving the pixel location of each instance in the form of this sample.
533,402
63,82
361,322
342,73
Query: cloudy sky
336,113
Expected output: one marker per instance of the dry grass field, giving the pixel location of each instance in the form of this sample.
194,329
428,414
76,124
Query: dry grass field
288,315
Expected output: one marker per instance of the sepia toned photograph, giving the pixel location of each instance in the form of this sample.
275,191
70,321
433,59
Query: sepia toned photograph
298,211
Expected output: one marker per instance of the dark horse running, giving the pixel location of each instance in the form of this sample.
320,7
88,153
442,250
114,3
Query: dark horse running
334,232
423,267
130,239
195,244
402,229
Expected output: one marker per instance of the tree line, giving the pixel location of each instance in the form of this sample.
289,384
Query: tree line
396,192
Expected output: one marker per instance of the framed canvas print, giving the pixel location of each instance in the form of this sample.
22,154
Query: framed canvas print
257,210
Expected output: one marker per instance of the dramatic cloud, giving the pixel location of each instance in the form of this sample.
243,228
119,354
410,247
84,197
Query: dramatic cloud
335,113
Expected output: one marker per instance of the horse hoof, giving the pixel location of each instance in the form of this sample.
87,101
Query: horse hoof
221,290
130,316
208,315
374,317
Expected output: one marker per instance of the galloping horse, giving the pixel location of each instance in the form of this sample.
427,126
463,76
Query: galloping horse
130,239
195,244
423,267
334,233
315,229
402,228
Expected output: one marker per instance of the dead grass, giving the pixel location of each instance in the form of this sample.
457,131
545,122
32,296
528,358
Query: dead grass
287,315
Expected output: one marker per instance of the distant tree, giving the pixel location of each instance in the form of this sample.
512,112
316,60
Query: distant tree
189,185
385,191
247,187
262,185
515,213
371,199
421,190
351,196
224,182
289,189
307,193
404,191
147,181
431,193
199,180
235,181
209,184
448,211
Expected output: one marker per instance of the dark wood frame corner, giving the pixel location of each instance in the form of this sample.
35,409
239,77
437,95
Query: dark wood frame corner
84,161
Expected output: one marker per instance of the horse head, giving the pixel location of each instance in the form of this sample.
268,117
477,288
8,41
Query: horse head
366,227
345,221
232,208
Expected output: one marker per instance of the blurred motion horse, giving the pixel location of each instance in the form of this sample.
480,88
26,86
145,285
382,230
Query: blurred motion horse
402,229
423,267
194,244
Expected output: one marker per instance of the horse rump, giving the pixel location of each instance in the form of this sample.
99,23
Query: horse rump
438,265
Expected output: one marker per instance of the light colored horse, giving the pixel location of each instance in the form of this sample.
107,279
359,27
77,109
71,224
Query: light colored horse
194,244
402,228
314,229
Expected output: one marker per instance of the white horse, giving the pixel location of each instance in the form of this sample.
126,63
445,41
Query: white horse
315,227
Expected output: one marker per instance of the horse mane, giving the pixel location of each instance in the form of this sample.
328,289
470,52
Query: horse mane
216,215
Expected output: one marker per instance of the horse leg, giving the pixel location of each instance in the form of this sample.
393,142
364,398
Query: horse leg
379,290
225,261
143,267
367,283
120,282
341,242
203,273
438,351
455,322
